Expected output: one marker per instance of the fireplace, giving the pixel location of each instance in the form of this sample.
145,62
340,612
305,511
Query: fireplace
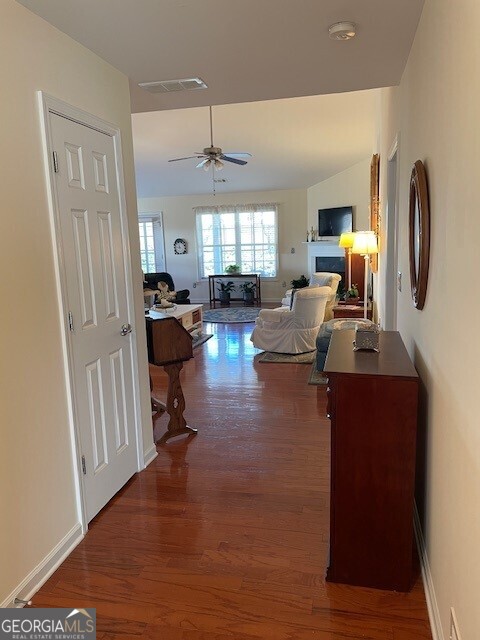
326,256
331,264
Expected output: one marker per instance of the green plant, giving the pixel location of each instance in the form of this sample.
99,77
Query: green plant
353,291
248,287
225,287
300,283
232,268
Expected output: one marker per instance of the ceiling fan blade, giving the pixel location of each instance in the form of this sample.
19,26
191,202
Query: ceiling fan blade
234,160
202,163
187,158
238,155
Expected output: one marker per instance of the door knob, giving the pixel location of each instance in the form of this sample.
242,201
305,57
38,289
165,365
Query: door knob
126,329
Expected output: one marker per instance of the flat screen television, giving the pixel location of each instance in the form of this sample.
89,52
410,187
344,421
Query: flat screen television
335,221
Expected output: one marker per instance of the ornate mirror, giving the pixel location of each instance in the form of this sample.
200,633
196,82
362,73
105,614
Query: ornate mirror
374,205
419,234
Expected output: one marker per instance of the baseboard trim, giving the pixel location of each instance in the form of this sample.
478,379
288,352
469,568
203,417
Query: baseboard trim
40,574
432,605
150,455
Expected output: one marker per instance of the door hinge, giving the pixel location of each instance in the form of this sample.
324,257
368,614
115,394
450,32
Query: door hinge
70,321
55,161
84,466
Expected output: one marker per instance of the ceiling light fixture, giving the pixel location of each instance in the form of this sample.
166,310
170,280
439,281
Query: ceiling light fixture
218,165
342,30
206,165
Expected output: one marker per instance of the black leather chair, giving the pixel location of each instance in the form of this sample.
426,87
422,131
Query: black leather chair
151,282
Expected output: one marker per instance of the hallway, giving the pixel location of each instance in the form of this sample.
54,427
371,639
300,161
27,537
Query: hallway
225,535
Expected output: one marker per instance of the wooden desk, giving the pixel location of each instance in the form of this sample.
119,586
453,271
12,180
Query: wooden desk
169,344
372,405
246,277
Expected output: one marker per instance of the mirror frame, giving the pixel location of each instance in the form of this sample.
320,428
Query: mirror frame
419,203
374,205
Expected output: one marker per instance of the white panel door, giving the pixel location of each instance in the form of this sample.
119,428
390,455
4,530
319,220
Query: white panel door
93,257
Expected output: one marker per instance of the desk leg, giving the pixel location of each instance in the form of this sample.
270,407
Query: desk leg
157,405
175,404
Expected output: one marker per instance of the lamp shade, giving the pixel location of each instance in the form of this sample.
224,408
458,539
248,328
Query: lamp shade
346,240
365,243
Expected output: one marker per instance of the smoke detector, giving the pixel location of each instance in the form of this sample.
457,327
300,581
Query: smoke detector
342,31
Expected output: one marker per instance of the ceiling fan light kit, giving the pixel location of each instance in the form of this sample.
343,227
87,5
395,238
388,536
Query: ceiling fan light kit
342,30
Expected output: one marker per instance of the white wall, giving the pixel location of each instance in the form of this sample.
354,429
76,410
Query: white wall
350,187
435,113
179,222
37,501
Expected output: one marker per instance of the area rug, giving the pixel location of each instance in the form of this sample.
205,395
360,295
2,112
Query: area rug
239,314
317,377
299,358
200,339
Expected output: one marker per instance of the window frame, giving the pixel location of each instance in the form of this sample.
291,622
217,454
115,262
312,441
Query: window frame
236,210
156,219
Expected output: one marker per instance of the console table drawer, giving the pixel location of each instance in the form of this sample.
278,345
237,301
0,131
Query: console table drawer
187,320
196,316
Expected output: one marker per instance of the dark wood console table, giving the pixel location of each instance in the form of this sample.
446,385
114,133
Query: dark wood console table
169,344
247,277
372,405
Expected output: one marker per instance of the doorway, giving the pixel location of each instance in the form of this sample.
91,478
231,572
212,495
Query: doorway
85,177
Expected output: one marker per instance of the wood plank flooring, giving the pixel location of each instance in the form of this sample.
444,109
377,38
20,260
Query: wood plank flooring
225,535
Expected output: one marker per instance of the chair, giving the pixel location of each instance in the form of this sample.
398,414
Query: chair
319,279
151,281
294,330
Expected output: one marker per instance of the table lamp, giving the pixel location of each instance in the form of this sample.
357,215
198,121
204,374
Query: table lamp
365,243
346,242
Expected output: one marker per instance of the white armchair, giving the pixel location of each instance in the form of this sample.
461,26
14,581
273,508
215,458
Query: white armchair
292,331
320,279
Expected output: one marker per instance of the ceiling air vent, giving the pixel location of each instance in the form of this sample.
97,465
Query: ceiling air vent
166,86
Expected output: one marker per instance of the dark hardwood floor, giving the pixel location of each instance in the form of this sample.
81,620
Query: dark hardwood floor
225,535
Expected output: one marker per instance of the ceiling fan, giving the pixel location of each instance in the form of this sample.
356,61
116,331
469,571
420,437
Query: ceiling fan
213,156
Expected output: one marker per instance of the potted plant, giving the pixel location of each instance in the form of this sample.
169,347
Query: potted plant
300,282
232,268
224,289
352,296
248,289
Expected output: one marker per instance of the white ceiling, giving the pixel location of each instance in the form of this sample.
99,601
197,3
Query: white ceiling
295,143
247,51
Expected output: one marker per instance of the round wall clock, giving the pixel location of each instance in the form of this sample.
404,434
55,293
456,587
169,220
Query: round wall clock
180,246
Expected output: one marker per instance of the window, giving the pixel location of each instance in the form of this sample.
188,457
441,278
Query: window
151,243
147,247
240,234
